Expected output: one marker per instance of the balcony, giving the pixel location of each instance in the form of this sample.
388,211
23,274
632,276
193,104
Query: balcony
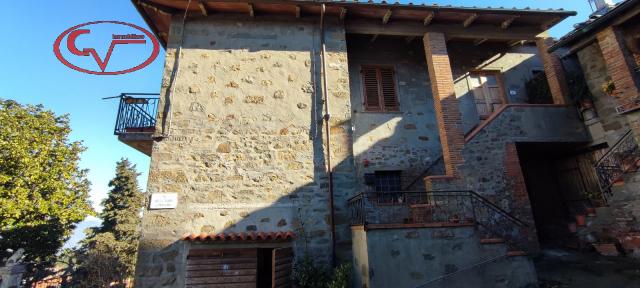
136,120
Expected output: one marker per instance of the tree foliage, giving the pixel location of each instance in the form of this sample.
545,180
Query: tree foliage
43,192
108,254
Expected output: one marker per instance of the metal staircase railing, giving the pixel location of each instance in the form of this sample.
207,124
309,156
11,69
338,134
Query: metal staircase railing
620,159
437,207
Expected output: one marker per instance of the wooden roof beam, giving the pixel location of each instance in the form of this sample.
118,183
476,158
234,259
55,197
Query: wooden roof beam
516,43
386,17
506,23
477,42
203,9
470,20
413,28
298,11
343,13
548,24
252,12
427,20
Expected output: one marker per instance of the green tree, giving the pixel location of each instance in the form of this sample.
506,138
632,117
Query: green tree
43,192
108,254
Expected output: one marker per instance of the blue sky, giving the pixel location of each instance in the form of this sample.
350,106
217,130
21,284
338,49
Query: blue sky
31,73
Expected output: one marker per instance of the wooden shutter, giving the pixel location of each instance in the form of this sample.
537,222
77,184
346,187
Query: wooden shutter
222,268
281,268
388,87
379,88
371,88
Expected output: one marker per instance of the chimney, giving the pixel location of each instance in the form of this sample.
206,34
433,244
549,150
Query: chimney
601,6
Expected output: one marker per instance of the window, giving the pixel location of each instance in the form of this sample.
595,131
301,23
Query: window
487,92
379,88
388,181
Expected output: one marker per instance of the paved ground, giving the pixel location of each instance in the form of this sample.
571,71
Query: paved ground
559,268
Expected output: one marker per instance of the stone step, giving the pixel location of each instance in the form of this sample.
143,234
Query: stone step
492,241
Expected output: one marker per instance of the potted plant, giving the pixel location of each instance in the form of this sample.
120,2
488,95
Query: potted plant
579,91
608,87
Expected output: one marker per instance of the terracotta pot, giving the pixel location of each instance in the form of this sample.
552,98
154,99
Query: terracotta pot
606,249
581,220
590,211
573,228
586,104
630,241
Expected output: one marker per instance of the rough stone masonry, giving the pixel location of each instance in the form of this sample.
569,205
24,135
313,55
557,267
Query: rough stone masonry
243,148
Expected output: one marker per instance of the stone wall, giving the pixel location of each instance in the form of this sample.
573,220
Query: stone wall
491,164
609,126
407,140
243,147
414,257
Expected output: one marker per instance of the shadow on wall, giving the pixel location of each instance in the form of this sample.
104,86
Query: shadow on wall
515,65
239,156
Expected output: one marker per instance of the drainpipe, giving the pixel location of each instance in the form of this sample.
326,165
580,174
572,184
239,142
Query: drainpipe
327,116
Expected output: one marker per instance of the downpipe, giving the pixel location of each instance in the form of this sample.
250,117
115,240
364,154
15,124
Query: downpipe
327,117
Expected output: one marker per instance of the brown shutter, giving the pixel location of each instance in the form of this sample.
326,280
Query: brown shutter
222,268
371,88
388,84
281,268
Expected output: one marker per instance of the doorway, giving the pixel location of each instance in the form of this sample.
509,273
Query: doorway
239,267
561,182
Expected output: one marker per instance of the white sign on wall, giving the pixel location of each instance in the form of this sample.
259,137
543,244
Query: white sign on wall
163,201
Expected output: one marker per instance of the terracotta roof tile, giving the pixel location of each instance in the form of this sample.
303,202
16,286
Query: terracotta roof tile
241,236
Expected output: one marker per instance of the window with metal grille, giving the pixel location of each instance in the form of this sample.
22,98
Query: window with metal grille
388,181
379,88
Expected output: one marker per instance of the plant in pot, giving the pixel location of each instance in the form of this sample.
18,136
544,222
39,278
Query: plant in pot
579,91
608,87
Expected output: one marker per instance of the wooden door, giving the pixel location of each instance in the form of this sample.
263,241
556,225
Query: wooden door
487,92
281,267
222,268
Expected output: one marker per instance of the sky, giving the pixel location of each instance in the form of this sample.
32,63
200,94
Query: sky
31,73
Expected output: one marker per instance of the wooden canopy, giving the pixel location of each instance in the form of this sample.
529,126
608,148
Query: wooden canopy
368,17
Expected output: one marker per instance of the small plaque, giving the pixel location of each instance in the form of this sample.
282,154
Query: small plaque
163,201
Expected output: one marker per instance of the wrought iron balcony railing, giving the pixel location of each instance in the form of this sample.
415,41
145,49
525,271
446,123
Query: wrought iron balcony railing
136,114
620,159
436,208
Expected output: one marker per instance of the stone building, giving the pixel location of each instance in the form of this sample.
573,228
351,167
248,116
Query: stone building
605,52
408,140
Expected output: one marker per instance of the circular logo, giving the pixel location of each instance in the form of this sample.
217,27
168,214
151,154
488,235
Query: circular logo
72,34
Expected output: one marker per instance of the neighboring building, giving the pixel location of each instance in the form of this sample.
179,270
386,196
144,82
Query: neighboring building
605,52
409,140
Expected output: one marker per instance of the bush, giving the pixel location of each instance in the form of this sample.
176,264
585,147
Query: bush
308,274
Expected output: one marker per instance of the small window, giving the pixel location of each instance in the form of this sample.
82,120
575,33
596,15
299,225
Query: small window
388,182
379,88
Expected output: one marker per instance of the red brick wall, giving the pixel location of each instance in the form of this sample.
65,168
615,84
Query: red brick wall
554,71
619,64
520,197
445,101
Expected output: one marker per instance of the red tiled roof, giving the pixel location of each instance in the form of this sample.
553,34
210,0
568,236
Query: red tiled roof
241,236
